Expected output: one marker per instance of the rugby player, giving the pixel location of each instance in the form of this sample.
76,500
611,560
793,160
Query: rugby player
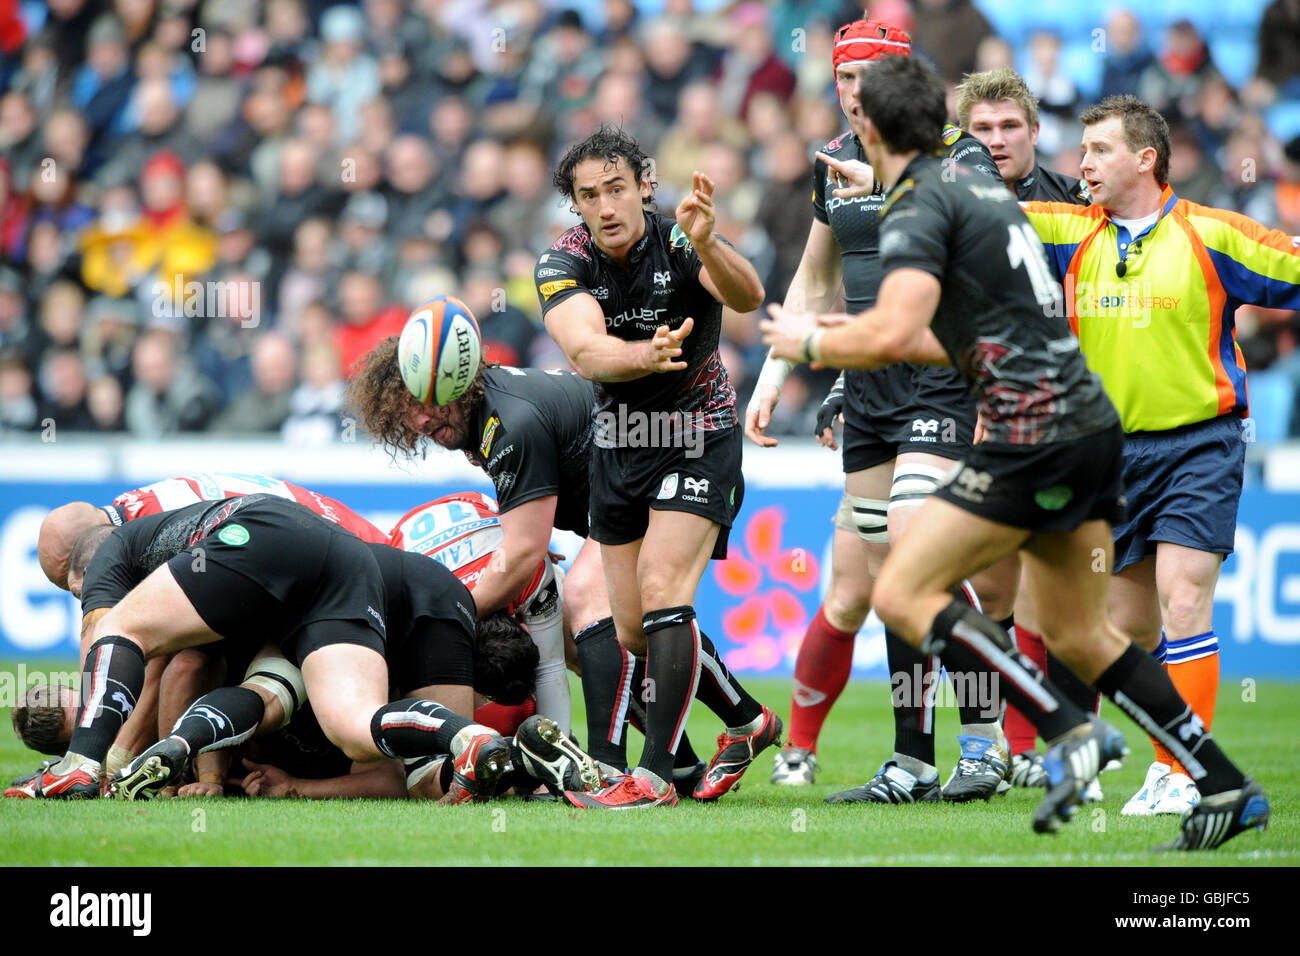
258,569
904,427
999,110
530,431
634,300
1151,286
61,528
966,284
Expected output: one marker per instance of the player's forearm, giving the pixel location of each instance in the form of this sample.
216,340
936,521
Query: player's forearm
813,289
604,358
379,782
734,277
506,575
865,343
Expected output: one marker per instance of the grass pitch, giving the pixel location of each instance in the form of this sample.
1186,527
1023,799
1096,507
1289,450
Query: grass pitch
761,825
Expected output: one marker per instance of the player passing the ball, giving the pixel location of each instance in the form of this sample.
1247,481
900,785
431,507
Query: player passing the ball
634,299
966,283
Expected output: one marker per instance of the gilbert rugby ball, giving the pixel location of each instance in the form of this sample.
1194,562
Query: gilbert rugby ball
439,351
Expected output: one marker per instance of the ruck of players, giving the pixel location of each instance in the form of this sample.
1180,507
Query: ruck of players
242,634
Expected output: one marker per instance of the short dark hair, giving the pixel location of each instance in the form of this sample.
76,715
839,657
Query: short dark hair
38,719
611,144
1143,127
84,548
505,660
906,102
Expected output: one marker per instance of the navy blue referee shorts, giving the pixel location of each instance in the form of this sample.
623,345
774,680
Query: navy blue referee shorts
1183,487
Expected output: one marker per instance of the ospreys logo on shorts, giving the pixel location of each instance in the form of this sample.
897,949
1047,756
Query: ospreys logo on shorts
696,489
1054,498
972,484
234,535
668,488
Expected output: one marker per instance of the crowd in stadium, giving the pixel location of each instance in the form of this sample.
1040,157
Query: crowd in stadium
330,166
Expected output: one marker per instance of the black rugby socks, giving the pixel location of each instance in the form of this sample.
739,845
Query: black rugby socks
673,669
111,681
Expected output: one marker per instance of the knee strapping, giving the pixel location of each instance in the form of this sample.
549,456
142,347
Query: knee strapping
913,484
282,679
870,518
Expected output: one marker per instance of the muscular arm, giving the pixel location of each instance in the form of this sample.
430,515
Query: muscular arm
578,326
896,329
383,780
728,276
527,531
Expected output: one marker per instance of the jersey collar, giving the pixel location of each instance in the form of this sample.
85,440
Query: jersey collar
1122,239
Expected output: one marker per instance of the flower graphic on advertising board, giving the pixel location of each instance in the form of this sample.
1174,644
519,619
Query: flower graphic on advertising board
770,620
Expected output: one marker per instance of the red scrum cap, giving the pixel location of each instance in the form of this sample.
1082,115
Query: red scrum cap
864,40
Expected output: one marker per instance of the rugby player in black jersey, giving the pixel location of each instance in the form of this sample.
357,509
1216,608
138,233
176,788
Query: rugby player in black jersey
531,431
965,284
904,427
258,570
634,299
999,110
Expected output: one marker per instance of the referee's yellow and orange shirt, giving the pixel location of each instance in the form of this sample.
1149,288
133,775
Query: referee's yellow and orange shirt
1154,312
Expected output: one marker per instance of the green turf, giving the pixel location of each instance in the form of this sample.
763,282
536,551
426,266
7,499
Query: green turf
760,825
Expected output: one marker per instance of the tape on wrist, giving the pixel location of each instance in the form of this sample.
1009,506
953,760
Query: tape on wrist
212,776
812,345
774,372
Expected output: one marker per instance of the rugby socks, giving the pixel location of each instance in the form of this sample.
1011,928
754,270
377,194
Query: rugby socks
821,671
504,718
979,705
111,681
1141,688
719,691
686,758
1020,732
673,672
414,727
1193,665
221,718
913,679
1082,695
610,684
969,642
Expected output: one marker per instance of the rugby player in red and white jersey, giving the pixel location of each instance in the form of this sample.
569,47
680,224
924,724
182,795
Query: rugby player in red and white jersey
463,533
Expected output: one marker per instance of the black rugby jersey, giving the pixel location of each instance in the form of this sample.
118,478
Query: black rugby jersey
532,435
855,224
659,286
137,548
999,316
1044,185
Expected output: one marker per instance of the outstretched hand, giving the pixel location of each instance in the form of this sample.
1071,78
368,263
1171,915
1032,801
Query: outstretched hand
666,347
697,213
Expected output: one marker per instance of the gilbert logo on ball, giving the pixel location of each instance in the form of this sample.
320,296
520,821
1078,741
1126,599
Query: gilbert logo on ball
439,351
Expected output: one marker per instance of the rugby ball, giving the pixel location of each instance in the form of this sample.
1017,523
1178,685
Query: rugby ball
439,350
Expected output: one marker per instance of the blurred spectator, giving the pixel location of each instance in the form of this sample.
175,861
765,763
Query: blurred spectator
102,85
479,188
413,191
315,405
949,32
14,328
20,138
700,122
160,131
1246,183
344,76
17,406
297,197
68,24
67,138
1058,99
1279,47
217,92
367,318
307,279
59,326
785,211
361,243
108,337
63,391
507,332
521,214
38,77
14,207
1128,56
47,259
994,53
104,399
671,63
1173,83
409,97
563,68
751,66
169,395
265,406
1192,174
